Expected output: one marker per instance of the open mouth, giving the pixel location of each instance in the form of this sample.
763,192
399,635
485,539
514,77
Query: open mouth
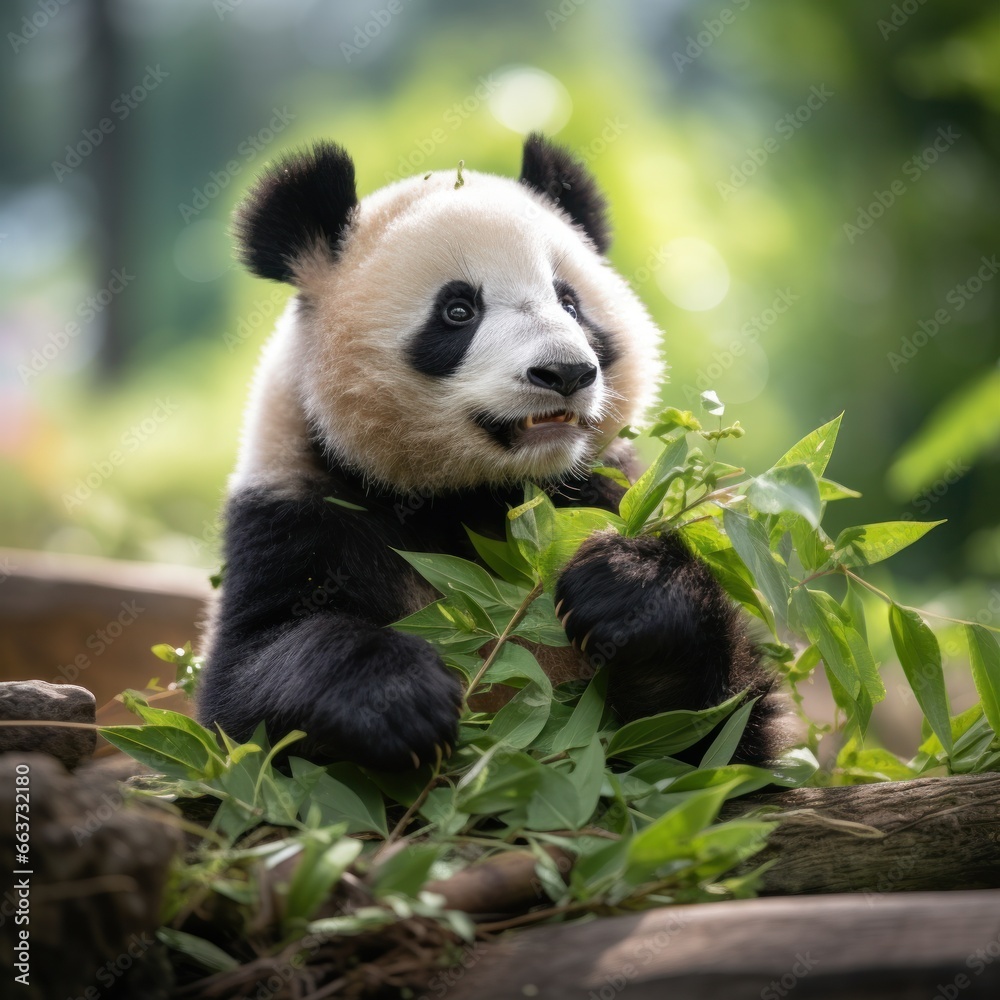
539,420
535,427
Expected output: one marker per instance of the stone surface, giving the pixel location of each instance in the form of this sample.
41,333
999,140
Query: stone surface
45,702
84,867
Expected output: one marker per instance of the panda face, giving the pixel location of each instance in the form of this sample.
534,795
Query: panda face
466,337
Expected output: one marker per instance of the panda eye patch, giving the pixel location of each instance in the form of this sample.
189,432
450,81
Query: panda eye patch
439,346
567,298
458,312
569,305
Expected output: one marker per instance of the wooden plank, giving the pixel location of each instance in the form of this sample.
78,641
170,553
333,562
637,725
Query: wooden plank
90,621
933,946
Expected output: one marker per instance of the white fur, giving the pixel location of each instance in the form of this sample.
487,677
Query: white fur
338,356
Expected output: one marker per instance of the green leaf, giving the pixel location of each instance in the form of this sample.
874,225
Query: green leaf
503,558
751,544
830,491
642,499
406,870
610,472
455,577
669,732
920,658
712,404
175,720
725,744
209,956
505,780
871,764
855,608
985,656
344,795
790,488
532,524
810,544
443,625
345,503
871,543
327,855
579,730
826,630
523,717
173,752
815,449
668,837
554,805
672,418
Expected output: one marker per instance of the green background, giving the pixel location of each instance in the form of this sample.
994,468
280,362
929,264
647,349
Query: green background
728,192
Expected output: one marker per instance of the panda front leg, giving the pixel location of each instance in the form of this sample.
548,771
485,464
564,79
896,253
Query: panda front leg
300,639
652,614
371,695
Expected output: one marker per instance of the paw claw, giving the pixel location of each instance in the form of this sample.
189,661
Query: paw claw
416,760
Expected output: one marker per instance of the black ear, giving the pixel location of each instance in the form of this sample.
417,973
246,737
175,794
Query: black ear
553,171
300,203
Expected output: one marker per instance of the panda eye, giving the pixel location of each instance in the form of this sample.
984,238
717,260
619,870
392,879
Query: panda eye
568,303
458,312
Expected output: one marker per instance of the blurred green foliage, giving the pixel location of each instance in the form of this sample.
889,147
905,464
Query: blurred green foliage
778,201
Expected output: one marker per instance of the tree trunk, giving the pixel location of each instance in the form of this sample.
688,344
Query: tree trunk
894,836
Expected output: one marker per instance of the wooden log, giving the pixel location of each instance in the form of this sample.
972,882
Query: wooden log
938,946
894,836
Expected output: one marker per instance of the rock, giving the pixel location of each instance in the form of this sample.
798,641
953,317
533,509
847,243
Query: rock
45,702
86,870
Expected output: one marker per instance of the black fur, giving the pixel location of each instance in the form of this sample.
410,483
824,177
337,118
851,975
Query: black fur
301,202
440,347
310,587
600,339
652,614
552,171
301,640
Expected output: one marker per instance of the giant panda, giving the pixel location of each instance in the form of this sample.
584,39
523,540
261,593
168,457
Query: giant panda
452,337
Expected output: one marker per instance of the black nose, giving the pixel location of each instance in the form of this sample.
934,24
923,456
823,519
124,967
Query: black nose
564,379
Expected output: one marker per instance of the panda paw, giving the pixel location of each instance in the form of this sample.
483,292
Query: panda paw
614,593
400,712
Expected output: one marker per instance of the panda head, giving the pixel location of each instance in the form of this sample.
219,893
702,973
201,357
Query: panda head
449,335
